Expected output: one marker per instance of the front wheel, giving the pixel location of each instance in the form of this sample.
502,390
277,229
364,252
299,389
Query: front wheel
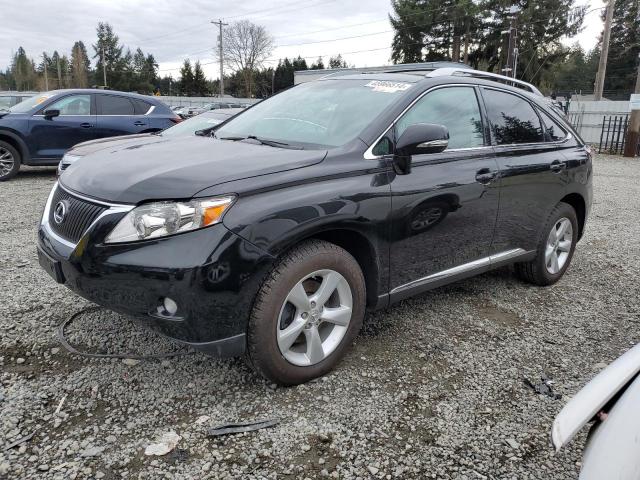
555,248
9,161
306,314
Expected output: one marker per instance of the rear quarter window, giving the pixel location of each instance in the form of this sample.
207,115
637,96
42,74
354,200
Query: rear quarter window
553,131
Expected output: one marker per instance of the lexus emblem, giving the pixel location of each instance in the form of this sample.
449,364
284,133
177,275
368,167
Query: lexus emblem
60,212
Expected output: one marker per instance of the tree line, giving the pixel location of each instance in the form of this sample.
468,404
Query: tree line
476,32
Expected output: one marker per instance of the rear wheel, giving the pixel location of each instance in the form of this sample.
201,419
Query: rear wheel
555,248
306,314
9,161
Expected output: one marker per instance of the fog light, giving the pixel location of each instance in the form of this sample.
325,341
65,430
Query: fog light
167,307
170,306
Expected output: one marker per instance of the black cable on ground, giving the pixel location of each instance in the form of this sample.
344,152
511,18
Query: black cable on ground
71,349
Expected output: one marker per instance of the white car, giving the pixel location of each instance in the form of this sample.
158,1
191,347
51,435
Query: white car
612,401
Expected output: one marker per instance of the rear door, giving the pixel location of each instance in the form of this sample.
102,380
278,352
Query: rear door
50,137
117,115
445,210
532,170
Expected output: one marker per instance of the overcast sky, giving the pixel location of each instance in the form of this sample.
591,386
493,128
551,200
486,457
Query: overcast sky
175,29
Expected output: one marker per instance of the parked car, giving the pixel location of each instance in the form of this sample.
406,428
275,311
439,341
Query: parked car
9,99
274,236
201,124
214,106
610,401
39,130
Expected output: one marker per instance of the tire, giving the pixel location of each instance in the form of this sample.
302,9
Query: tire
9,161
301,276
542,270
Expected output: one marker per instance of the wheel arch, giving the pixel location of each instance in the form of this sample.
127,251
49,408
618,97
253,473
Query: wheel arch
355,243
579,205
16,142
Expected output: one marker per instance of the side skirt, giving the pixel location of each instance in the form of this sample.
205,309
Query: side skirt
460,272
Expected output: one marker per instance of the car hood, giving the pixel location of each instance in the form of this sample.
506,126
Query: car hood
86,148
177,168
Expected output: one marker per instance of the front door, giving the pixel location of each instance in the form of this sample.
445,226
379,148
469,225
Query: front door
51,137
445,209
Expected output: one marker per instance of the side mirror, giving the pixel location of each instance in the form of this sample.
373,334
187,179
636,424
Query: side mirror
420,138
49,114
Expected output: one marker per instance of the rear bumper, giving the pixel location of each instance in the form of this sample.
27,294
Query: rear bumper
211,274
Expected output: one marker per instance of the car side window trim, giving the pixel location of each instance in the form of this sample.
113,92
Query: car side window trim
567,134
535,109
369,155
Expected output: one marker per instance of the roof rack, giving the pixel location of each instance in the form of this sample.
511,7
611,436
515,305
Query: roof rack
447,71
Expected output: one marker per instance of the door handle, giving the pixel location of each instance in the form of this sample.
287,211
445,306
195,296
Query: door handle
138,123
486,175
86,125
557,166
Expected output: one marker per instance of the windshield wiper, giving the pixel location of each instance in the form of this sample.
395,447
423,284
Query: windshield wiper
263,141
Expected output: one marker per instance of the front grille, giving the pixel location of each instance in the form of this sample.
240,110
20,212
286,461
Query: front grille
80,214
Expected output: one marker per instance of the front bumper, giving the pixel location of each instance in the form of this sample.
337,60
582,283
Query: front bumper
211,274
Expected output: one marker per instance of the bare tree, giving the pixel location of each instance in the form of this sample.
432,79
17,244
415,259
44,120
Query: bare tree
245,48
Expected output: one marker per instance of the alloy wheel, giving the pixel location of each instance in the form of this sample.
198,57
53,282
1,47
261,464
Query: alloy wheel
314,318
426,218
6,162
558,246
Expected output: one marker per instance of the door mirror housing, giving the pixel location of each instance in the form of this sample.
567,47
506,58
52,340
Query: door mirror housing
49,114
422,138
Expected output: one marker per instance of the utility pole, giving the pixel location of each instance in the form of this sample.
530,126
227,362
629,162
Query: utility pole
220,54
633,133
46,76
59,73
104,68
512,50
604,53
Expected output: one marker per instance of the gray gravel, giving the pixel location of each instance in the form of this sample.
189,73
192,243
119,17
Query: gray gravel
432,389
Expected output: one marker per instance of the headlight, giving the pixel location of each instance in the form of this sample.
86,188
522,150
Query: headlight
160,219
69,159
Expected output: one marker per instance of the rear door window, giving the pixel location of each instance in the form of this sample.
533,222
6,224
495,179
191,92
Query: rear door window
513,119
114,105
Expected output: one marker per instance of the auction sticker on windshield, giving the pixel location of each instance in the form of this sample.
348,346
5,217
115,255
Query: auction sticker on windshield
387,87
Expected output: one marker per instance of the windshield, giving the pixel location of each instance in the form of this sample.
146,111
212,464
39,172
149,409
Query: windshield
323,113
190,126
29,103
5,102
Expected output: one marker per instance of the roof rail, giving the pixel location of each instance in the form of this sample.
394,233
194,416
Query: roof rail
443,72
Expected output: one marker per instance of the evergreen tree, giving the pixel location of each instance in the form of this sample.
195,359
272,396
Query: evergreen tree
318,65
624,48
23,71
109,43
337,62
283,75
186,78
80,66
299,64
199,80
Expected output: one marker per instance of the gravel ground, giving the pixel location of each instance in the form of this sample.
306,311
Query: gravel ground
432,389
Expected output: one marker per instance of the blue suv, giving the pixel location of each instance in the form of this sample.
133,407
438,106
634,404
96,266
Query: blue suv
39,130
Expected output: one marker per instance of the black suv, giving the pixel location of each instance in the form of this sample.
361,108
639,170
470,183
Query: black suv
273,235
